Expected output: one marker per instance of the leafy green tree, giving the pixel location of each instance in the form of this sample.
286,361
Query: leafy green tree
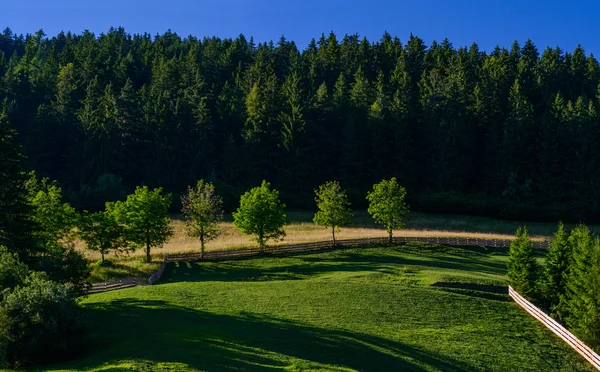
334,208
145,215
101,232
522,266
558,261
54,218
583,287
54,222
203,210
261,213
387,205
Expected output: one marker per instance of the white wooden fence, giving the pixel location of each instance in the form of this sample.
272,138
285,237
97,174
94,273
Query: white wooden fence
558,329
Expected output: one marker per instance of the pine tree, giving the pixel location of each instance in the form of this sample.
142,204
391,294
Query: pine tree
582,304
558,261
522,266
16,226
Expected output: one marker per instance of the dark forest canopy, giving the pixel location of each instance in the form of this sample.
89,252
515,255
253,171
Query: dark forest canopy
511,132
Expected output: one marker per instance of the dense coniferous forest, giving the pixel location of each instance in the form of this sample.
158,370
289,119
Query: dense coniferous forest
508,132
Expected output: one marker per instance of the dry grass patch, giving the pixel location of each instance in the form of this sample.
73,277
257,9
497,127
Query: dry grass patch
301,230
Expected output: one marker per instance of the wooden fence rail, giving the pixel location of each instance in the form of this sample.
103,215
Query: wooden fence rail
558,329
221,255
106,286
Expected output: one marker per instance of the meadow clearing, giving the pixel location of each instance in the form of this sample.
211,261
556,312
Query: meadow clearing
301,229
410,307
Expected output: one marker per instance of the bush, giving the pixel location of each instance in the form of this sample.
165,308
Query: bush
38,321
12,272
65,265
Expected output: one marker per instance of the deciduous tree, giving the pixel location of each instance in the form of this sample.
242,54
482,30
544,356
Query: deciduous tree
203,210
387,205
101,232
261,213
334,208
145,215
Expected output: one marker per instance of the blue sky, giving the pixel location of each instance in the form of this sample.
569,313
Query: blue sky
487,22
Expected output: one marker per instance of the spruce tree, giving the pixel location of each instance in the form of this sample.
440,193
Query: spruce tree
558,260
16,226
582,302
522,266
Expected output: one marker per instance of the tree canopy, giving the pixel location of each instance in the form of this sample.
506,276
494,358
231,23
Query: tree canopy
387,205
145,215
508,132
203,210
261,213
334,208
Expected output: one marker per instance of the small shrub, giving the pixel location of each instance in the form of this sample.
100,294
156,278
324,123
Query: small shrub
38,321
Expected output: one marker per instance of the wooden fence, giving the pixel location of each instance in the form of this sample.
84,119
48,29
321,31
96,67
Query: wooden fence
106,286
558,329
221,255
158,274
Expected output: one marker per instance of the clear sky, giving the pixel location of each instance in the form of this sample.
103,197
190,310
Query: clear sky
487,22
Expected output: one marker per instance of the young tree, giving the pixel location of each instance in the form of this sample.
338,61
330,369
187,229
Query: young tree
387,205
101,232
334,208
261,213
558,261
54,223
54,219
522,266
583,287
203,210
145,215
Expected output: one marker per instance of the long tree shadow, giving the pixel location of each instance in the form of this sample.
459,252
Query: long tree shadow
155,331
301,267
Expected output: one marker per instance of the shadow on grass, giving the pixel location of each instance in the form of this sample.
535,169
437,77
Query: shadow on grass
486,291
155,331
377,260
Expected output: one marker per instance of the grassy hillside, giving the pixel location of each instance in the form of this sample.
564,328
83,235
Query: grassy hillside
412,307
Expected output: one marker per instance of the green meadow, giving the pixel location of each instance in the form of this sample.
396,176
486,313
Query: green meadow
405,308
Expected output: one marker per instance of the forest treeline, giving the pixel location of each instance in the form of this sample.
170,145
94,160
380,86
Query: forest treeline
509,132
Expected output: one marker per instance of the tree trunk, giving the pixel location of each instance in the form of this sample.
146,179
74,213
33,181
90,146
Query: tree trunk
102,253
202,242
333,233
391,239
261,243
147,248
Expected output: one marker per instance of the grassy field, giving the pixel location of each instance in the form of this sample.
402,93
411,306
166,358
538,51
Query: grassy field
301,229
412,307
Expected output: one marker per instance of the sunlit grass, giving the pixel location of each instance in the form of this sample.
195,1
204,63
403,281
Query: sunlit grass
414,307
